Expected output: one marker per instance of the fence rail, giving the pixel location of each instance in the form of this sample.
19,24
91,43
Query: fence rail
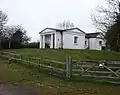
109,70
71,69
50,66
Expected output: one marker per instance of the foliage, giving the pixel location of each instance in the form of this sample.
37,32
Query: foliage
65,25
9,31
107,19
113,37
5,43
3,20
106,15
15,35
31,45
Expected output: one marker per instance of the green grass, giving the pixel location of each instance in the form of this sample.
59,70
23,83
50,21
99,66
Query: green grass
60,55
48,85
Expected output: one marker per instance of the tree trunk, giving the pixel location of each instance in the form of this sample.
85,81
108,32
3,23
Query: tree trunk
0,45
9,44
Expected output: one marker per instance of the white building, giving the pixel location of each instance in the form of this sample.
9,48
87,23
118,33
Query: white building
95,41
72,38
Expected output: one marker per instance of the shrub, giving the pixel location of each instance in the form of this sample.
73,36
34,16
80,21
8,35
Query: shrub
31,45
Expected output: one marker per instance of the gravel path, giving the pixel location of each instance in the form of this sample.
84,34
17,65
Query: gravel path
7,89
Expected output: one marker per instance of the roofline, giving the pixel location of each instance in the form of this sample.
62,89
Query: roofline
99,33
93,37
93,33
62,29
49,28
75,28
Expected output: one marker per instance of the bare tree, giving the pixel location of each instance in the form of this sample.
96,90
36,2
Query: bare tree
106,15
107,19
9,31
3,20
65,25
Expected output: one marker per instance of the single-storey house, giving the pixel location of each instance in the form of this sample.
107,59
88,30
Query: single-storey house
73,38
95,41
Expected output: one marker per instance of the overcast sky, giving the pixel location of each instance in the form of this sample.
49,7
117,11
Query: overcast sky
35,15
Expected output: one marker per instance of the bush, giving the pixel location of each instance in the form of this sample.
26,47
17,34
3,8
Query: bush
31,45
5,44
15,45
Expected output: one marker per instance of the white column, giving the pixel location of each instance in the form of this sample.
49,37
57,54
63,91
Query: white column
51,41
55,40
43,42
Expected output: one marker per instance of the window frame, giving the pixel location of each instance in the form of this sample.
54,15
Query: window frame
75,39
100,43
85,42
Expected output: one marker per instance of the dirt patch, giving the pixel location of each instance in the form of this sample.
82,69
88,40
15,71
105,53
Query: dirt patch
8,89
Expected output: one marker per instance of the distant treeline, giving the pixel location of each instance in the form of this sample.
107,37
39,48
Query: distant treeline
16,45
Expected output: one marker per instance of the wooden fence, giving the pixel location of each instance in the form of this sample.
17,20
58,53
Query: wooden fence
49,66
71,69
98,70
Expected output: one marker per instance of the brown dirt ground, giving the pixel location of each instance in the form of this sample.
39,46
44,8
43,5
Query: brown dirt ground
8,89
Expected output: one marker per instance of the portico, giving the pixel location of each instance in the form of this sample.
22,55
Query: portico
47,40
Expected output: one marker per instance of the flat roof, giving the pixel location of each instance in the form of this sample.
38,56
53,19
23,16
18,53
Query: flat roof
92,35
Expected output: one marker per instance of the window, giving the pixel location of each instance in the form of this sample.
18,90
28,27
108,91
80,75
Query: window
75,40
85,42
100,42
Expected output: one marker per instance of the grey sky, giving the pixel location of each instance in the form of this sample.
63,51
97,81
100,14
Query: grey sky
35,15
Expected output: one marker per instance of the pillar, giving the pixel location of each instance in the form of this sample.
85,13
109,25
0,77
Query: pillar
43,42
51,41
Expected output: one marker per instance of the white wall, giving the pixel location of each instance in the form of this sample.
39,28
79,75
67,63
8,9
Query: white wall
57,40
47,32
94,43
68,40
86,45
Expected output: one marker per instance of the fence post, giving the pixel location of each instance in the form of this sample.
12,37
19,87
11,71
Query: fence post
28,60
39,63
68,67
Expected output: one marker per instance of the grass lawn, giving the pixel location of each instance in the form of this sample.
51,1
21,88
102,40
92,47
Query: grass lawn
60,55
48,85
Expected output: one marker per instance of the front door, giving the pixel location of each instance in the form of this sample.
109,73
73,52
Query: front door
47,41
